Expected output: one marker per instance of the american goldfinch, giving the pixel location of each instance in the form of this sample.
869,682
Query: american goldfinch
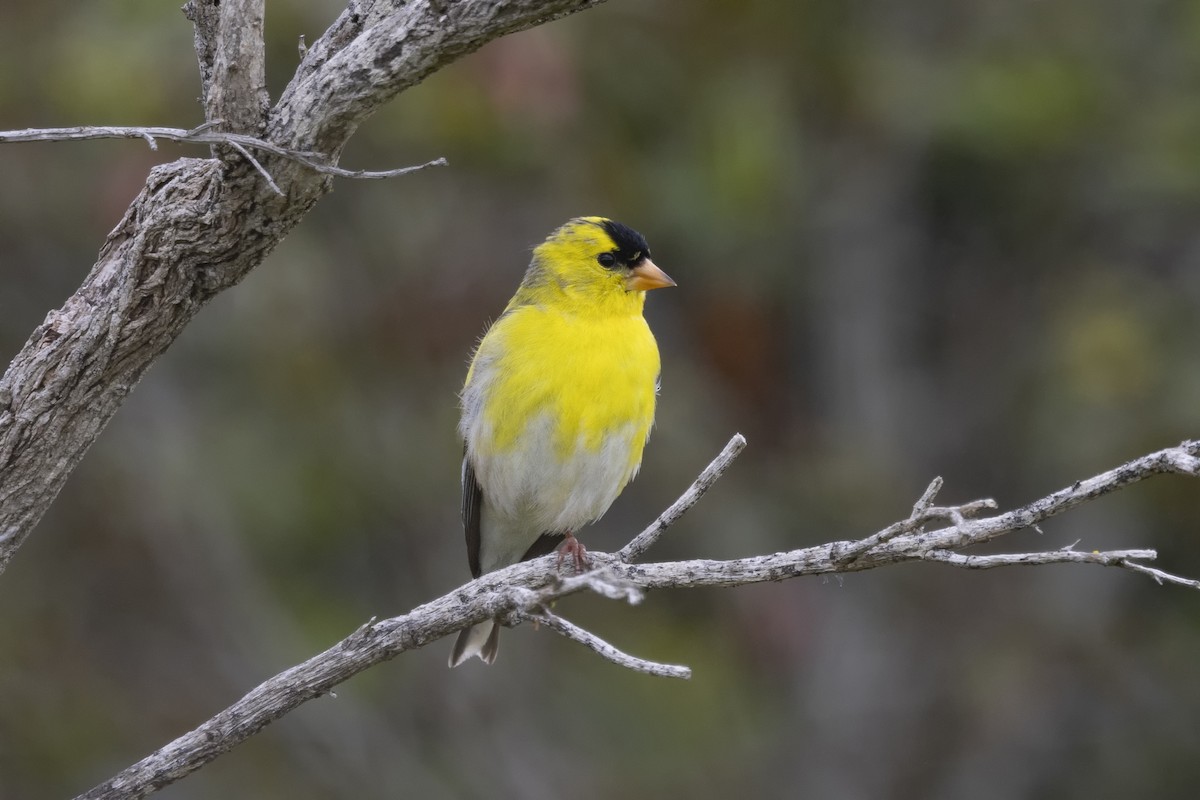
558,402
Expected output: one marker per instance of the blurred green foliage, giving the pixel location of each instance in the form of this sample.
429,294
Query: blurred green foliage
912,238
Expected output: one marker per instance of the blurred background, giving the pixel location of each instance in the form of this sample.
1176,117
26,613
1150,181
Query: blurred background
911,238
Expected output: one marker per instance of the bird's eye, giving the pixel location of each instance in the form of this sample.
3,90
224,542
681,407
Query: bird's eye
606,260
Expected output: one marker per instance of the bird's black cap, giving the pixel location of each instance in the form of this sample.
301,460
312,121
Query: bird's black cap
631,245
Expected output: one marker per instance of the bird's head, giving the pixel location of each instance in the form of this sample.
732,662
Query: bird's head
596,259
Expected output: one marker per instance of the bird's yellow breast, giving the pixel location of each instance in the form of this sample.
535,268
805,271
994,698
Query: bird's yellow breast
594,376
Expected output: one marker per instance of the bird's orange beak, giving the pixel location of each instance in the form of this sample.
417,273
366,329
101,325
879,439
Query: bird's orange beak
647,276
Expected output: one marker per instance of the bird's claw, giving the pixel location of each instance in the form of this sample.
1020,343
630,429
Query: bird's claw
574,548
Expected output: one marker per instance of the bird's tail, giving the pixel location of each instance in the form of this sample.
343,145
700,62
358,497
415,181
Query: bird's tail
483,641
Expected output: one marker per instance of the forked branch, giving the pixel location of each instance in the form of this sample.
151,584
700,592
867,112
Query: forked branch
525,591
201,224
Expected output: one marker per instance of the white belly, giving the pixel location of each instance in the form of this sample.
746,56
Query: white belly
536,483
532,489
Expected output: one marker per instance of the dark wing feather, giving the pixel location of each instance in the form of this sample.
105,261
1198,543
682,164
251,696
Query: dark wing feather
542,545
472,506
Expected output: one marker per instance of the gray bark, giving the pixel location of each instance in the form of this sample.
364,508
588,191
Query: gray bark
200,225
526,591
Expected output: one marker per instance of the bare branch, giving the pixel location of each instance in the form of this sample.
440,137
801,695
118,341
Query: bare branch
515,593
205,16
261,169
1182,460
606,650
238,92
387,48
604,582
229,50
525,591
646,539
1160,577
1110,558
922,513
205,135
926,499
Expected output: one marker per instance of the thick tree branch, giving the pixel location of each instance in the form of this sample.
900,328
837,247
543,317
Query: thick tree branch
238,92
525,591
205,16
233,69
200,225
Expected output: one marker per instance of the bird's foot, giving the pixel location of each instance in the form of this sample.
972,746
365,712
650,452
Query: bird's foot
574,548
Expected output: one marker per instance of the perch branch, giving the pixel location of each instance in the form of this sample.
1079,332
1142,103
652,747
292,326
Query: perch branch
525,591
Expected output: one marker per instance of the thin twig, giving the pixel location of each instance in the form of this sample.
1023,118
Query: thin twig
606,650
1108,558
261,169
1181,460
204,134
646,539
1160,577
602,581
923,511
926,499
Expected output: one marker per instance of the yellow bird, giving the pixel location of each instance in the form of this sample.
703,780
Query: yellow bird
558,403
